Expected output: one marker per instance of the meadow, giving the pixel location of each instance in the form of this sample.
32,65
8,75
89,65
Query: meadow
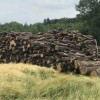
30,82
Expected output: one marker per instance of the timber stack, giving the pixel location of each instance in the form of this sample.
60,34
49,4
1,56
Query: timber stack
64,50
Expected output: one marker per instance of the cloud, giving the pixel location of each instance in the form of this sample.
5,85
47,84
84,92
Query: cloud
32,11
56,4
51,4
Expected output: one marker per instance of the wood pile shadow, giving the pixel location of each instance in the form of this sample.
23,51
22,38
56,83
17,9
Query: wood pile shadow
64,50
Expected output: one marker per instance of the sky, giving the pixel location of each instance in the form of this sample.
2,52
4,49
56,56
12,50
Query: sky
33,11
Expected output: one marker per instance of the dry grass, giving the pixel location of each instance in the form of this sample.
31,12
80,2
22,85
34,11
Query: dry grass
30,82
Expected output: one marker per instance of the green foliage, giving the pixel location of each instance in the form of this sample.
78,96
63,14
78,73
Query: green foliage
38,27
85,7
90,14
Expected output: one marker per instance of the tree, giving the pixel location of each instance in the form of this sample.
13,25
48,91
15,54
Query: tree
86,7
47,21
90,14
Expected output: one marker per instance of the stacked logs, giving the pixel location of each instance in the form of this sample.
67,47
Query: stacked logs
64,50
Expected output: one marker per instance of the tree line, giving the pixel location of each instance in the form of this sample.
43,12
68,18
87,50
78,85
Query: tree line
46,25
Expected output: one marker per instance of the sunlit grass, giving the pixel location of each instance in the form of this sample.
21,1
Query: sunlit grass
30,82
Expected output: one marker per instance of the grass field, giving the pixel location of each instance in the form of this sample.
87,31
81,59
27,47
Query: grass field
28,82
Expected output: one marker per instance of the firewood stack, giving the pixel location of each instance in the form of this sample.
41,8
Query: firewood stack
64,50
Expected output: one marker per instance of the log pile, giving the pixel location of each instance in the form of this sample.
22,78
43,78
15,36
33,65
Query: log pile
64,50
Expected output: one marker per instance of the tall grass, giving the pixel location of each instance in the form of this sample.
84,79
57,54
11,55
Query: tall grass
28,82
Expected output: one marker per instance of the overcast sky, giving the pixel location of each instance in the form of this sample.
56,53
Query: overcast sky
32,11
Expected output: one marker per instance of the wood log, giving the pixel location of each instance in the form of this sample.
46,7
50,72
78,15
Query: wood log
12,43
95,72
68,50
87,70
